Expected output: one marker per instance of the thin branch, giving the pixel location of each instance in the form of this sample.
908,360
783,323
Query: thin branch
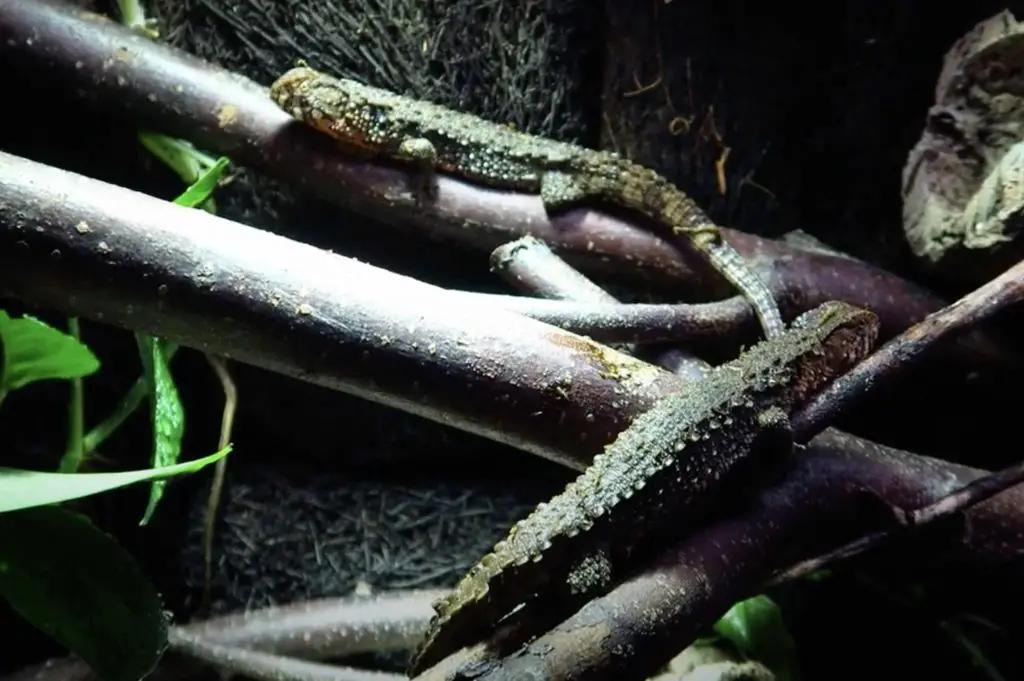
256,664
226,425
312,630
325,628
530,266
702,326
911,345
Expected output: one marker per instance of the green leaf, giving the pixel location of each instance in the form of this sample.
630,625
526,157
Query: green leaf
125,408
203,188
195,168
78,585
20,488
755,626
35,351
166,413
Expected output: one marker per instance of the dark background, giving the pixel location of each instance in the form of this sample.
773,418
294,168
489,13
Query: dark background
819,106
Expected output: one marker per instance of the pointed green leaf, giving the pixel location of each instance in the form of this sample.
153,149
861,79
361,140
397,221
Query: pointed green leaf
755,626
79,586
200,190
24,489
35,351
167,414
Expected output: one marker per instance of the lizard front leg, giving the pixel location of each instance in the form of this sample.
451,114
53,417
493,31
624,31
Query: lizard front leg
770,449
423,154
774,432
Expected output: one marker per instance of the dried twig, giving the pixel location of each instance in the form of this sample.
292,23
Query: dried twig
217,484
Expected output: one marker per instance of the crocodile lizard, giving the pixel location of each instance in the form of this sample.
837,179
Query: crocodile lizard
378,122
653,482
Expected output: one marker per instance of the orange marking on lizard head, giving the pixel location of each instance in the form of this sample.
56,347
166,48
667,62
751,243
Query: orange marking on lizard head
347,111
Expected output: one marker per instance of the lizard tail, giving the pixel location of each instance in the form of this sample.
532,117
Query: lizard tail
645,190
733,267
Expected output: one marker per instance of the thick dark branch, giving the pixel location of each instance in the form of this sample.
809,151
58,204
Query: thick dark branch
973,493
103,252
153,85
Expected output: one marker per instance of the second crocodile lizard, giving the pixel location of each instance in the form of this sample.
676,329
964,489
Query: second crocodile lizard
654,482
437,138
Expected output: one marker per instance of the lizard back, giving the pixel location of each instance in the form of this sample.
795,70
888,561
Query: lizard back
652,483
378,121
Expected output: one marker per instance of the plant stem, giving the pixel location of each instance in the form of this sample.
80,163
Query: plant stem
75,452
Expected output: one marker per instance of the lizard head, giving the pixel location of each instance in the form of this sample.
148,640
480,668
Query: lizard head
352,113
835,336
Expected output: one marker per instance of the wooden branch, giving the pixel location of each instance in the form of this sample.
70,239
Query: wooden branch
106,253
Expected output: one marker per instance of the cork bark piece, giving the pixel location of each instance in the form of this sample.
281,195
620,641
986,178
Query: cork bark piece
963,183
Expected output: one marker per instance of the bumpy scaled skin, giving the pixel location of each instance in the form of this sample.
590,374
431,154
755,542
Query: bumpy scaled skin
379,122
653,482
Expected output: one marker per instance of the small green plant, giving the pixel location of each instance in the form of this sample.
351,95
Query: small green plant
59,571
756,629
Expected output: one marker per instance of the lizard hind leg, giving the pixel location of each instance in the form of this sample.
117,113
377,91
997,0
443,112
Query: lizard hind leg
423,154
559,190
